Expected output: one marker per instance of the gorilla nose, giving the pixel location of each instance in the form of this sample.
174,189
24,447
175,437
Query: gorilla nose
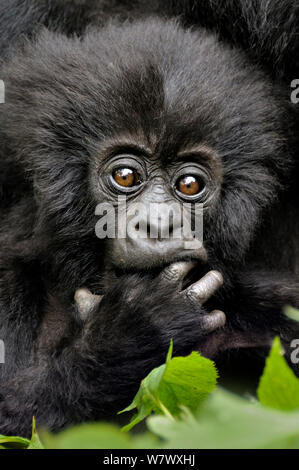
159,235
158,221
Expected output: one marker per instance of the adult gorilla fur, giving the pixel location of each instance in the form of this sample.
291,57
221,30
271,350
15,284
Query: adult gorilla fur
64,97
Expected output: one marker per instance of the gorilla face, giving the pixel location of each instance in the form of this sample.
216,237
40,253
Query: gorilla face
159,193
154,114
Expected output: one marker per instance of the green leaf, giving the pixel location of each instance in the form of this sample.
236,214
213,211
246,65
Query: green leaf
292,313
278,387
182,381
97,436
35,442
226,421
170,351
14,442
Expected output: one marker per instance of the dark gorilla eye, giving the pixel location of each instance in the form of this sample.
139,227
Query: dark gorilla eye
189,185
127,177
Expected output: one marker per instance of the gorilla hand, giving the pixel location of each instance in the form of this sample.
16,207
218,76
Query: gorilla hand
160,304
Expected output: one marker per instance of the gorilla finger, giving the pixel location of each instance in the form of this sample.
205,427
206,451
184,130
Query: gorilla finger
213,320
203,289
176,272
86,301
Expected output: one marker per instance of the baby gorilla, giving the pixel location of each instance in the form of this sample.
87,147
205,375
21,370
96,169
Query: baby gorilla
153,113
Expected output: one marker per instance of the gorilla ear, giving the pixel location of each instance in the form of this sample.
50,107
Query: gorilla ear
86,302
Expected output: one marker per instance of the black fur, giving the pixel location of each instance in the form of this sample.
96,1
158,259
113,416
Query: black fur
64,98
268,31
